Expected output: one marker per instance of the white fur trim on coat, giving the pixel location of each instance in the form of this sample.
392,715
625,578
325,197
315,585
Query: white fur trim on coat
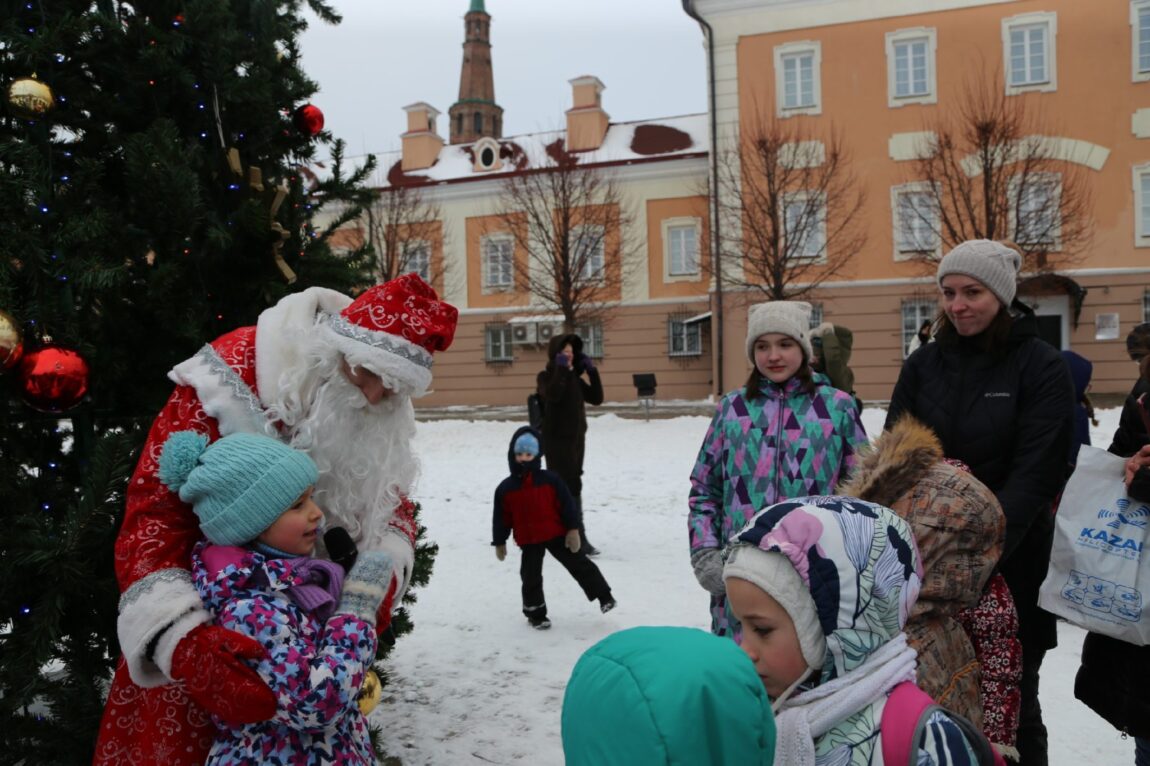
164,602
397,545
280,328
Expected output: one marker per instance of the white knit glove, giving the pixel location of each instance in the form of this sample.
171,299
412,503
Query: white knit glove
366,586
708,566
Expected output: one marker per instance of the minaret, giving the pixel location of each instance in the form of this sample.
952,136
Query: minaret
476,114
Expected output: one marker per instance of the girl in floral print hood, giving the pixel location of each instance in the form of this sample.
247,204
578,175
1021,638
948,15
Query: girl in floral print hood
823,587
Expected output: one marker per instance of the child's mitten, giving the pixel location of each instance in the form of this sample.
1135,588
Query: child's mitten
501,552
366,585
572,542
708,566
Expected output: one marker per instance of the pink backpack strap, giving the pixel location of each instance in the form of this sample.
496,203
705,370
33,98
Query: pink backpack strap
900,716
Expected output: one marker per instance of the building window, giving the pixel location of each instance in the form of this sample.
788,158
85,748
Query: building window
681,247
497,252
916,224
797,78
910,56
592,337
915,311
1029,51
816,315
1142,205
587,252
804,226
478,124
1037,214
1140,39
683,339
497,343
417,258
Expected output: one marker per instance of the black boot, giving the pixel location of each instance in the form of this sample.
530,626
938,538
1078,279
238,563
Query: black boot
584,544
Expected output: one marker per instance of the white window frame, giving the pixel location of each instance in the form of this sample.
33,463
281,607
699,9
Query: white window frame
669,226
1044,19
812,48
1047,179
820,229
593,266
505,278
1137,73
683,339
1142,205
816,315
903,251
497,344
929,37
915,311
417,258
592,337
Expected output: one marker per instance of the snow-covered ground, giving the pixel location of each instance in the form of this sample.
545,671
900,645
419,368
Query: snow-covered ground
474,684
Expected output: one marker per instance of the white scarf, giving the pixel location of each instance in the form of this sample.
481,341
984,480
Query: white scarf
806,717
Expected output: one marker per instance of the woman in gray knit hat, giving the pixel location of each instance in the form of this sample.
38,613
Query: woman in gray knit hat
1001,400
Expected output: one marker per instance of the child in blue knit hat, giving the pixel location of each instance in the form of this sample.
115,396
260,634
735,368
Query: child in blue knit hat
256,575
536,505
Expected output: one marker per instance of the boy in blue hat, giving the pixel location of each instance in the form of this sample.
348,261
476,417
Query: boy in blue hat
312,627
535,504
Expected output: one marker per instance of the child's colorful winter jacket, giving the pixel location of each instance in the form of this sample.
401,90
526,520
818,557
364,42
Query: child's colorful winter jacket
785,443
532,502
315,669
861,566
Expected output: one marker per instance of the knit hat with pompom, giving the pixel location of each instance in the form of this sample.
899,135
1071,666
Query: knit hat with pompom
239,485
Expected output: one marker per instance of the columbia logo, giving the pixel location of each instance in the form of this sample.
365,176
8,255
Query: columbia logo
997,395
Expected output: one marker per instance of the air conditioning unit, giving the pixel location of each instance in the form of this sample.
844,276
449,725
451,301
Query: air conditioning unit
523,333
547,331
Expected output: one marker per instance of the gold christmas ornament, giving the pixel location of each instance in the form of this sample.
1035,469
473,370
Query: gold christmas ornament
11,342
29,98
370,693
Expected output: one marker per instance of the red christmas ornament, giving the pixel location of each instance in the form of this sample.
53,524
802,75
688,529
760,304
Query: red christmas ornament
308,119
53,378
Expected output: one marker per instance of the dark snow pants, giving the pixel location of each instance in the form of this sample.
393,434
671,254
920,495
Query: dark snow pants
583,569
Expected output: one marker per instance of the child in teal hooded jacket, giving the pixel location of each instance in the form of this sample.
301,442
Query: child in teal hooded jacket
661,695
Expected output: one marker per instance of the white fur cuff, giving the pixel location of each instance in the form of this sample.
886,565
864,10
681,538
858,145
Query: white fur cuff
164,602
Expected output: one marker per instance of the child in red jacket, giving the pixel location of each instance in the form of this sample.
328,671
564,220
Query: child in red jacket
535,504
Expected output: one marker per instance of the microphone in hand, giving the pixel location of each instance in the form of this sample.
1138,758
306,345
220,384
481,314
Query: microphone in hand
340,547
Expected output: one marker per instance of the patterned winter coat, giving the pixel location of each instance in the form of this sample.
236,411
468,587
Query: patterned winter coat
862,568
785,443
959,527
315,669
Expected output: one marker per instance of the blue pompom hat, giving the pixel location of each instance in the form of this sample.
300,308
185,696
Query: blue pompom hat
239,485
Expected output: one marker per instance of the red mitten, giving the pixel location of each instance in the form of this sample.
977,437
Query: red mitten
210,662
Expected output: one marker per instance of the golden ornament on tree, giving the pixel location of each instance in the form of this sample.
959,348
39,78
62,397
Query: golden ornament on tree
29,98
370,693
11,342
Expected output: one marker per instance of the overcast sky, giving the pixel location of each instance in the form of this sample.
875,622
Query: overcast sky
387,54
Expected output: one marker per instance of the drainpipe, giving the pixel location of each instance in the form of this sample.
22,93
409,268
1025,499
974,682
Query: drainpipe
716,249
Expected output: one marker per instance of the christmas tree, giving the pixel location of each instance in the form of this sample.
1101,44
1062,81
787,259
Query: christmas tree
154,194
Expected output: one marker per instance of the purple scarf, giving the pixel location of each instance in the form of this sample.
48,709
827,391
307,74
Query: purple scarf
319,588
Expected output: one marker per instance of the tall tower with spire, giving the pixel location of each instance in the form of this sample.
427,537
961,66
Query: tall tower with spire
476,114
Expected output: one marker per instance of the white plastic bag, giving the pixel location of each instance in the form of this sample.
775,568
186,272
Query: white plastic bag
1098,571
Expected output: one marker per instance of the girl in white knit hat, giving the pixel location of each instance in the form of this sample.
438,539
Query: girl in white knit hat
786,433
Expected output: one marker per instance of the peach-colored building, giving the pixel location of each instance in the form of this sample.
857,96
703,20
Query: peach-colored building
880,71
655,322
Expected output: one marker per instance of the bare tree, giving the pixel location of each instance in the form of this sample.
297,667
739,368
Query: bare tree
574,226
989,170
402,227
790,206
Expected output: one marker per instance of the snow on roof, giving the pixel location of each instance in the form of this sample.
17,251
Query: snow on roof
625,142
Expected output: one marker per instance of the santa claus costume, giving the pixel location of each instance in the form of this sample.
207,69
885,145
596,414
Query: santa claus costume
286,377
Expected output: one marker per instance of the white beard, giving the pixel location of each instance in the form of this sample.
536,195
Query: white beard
363,452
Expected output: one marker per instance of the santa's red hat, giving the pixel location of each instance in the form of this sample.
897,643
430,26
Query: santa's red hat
393,329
